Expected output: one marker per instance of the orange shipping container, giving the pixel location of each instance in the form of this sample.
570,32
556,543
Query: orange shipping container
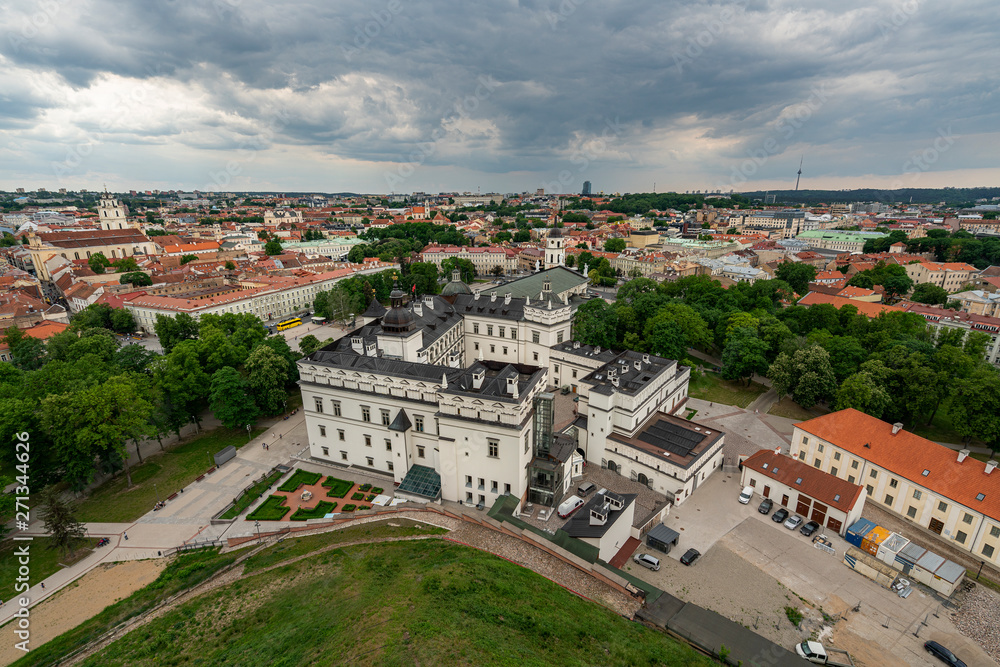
873,539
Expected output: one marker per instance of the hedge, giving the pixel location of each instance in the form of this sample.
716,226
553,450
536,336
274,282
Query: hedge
358,496
318,512
377,490
338,487
300,478
350,508
271,509
251,494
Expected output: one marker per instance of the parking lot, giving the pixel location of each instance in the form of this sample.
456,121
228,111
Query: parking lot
751,568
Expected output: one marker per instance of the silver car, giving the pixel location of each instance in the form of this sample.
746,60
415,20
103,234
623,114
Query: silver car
793,522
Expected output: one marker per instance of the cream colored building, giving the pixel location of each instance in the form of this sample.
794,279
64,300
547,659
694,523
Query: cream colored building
113,243
952,276
946,492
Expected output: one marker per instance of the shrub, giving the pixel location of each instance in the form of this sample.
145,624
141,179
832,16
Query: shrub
794,615
300,478
377,490
350,508
322,509
272,509
251,494
338,487
371,497
357,496
364,507
365,487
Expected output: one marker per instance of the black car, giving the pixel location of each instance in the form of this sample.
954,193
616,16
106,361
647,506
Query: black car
809,528
690,556
943,654
765,506
780,515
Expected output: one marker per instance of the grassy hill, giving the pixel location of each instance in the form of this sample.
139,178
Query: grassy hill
405,603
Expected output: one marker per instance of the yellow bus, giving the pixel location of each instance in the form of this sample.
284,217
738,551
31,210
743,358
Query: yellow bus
288,324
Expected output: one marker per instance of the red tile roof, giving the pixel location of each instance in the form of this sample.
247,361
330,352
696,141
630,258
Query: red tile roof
816,484
908,455
864,307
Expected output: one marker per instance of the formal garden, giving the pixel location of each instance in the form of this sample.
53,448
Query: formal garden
304,492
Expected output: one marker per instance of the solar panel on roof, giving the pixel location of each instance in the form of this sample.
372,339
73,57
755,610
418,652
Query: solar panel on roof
673,438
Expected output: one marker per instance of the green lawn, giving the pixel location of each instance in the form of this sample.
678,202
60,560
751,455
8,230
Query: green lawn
248,497
44,561
711,387
161,475
786,407
187,570
406,603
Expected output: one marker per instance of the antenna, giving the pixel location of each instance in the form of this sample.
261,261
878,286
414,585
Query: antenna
799,173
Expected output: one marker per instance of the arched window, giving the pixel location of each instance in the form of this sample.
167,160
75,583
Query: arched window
612,466
76,255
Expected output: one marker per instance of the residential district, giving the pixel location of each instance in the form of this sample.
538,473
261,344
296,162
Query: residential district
658,400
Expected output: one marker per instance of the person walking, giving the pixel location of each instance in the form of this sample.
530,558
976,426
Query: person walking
125,535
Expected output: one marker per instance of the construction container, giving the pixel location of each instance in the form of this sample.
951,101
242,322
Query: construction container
908,557
873,539
857,532
925,568
890,547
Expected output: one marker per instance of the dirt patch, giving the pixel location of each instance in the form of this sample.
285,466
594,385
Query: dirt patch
865,652
83,599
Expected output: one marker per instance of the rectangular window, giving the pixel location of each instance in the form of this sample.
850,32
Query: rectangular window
386,420
388,465
805,440
513,333
482,484
506,489
819,449
854,465
388,445
340,434
368,441
833,471
319,405
994,531
418,421
468,481
817,463
889,500
574,373
527,441
988,550
366,413
802,455
505,349
468,497
870,489
836,456
961,537
493,487
326,451
476,345
322,431
874,474
535,337
475,327
850,479
501,330
494,448
916,495
343,455
893,483
534,356
420,451
942,506
489,329
559,337
336,408
967,518
371,461
911,512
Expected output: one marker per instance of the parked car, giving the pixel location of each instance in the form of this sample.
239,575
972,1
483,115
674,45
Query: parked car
646,560
765,506
793,522
690,556
943,654
746,495
571,504
780,515
584,489
809,528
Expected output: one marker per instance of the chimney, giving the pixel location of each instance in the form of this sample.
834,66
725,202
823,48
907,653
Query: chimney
612,373
962,455
475,297
637,364
429,301
576,345
897,427
614,380
370,350
512,386
493,296
599,515
506,299
358,344
477,379
444,380
597,349
990,465
418,309
453,360
777,451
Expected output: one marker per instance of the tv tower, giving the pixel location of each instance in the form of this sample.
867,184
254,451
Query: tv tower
799,176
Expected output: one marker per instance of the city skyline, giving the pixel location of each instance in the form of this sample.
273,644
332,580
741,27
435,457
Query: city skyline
389,97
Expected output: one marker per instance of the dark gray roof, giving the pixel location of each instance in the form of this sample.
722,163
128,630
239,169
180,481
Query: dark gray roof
639,371
579,525
401,422
589,351
662,534
494,380
395,367
468,304
375,309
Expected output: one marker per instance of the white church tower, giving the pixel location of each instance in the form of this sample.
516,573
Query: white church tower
555,253
112,212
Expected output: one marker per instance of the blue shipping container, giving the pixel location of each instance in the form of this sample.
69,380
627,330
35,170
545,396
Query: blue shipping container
857,532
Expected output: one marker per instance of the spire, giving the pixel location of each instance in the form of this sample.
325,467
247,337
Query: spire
444,380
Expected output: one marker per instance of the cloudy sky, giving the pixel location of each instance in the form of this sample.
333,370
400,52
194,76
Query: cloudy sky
442,95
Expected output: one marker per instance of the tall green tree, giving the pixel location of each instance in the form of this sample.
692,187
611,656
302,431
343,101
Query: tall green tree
268,373
181,376
806,374
596,323
467,268
863,392
975,407
173,330
614,245
798,275
59,518
744,355
230,399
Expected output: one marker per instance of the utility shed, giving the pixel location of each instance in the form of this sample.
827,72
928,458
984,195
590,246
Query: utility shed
870,566
662,538
908,557
857,532
890,547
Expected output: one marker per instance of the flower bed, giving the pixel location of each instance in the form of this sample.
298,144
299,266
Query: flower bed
371,497
272,509
350,508
377,490
365,487
318,512
357,496
364,507
251,494
300,478
338,487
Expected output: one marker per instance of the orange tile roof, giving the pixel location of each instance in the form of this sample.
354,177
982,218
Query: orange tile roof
908,455
854,292
46,330
864,307
816,484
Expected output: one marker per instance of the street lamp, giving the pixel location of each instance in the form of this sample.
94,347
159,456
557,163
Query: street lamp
256,524
248,433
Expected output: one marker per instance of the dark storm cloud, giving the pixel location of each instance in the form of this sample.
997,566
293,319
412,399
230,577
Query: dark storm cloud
378,79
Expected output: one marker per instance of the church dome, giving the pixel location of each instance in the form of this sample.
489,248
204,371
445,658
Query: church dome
399,319
455,286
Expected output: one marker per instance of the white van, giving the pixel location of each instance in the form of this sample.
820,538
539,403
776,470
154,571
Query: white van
746,495
646,560
572,504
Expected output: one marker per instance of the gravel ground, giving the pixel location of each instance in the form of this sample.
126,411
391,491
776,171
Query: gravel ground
726,583
548,566
979,619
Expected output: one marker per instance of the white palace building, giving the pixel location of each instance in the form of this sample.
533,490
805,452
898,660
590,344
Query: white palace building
450,395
